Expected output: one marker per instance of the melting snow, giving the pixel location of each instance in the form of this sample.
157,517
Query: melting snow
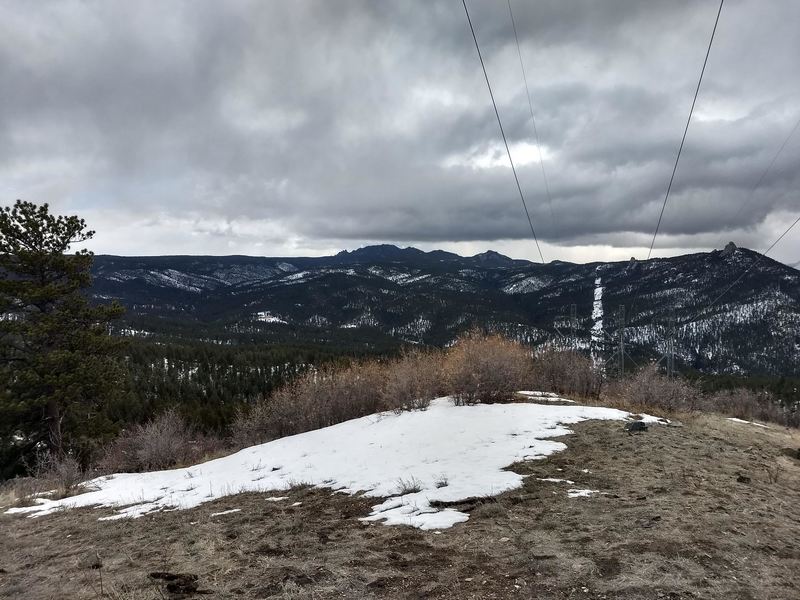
576,493
545,396
735,420
469,446
226,512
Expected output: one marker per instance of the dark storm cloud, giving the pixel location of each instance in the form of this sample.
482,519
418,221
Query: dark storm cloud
264,126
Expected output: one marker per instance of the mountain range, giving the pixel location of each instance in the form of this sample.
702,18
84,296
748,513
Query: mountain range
386,296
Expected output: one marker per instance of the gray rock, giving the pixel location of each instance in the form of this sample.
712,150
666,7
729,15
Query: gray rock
636,427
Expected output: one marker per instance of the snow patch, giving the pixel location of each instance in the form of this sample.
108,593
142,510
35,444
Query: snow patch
471,446
545,396
226,512
577,493
527,285
735,420
268,317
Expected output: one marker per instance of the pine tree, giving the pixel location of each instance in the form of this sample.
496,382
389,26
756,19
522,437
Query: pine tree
59,367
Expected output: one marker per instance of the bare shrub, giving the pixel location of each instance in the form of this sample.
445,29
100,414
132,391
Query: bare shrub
314,400
21,491
165,441
486,368
63,474
253,425
649,389
566,373
412,381
747,404
412,485
51,475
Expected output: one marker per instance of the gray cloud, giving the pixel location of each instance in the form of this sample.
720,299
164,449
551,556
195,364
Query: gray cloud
267,128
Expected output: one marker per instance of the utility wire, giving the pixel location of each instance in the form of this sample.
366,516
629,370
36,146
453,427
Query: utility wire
502,131
678,157
533,119
685,131
754,263
740,277
758,183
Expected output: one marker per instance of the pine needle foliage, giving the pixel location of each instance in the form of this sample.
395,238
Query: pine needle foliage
59,366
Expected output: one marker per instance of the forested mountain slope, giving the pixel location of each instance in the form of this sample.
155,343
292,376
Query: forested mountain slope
382,296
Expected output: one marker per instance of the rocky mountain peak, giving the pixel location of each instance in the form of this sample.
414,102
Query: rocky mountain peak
729,249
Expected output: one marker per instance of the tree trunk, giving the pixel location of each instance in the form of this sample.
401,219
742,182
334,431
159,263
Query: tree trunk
55,442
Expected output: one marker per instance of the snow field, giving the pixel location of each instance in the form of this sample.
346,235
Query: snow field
444,454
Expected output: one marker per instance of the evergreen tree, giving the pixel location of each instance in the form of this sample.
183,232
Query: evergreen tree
59,366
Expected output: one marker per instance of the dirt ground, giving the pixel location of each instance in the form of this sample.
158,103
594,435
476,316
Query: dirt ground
707,510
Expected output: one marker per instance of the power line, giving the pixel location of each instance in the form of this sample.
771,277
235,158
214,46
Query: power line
685,130
678,157
502,131
754,263
533,119
745,272
766,171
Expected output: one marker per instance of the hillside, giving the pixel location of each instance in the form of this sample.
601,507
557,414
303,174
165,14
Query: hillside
704,510
385,296
415,460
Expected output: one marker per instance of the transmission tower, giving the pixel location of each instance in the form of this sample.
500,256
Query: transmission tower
671,343
621,334
573,325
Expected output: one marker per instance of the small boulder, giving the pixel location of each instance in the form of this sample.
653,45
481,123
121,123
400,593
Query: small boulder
636,427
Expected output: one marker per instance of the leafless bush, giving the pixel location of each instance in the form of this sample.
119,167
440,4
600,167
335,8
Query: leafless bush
314,400
747,404
647,388
63,474
253,425
486,368
792,416
58,477
164,442
21,491
412,381
411,485
566,373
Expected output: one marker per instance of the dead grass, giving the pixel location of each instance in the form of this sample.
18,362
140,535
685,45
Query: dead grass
670,521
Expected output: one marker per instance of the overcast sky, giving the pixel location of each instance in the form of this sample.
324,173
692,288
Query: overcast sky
301,128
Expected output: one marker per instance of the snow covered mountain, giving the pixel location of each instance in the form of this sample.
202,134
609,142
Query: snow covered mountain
398,295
